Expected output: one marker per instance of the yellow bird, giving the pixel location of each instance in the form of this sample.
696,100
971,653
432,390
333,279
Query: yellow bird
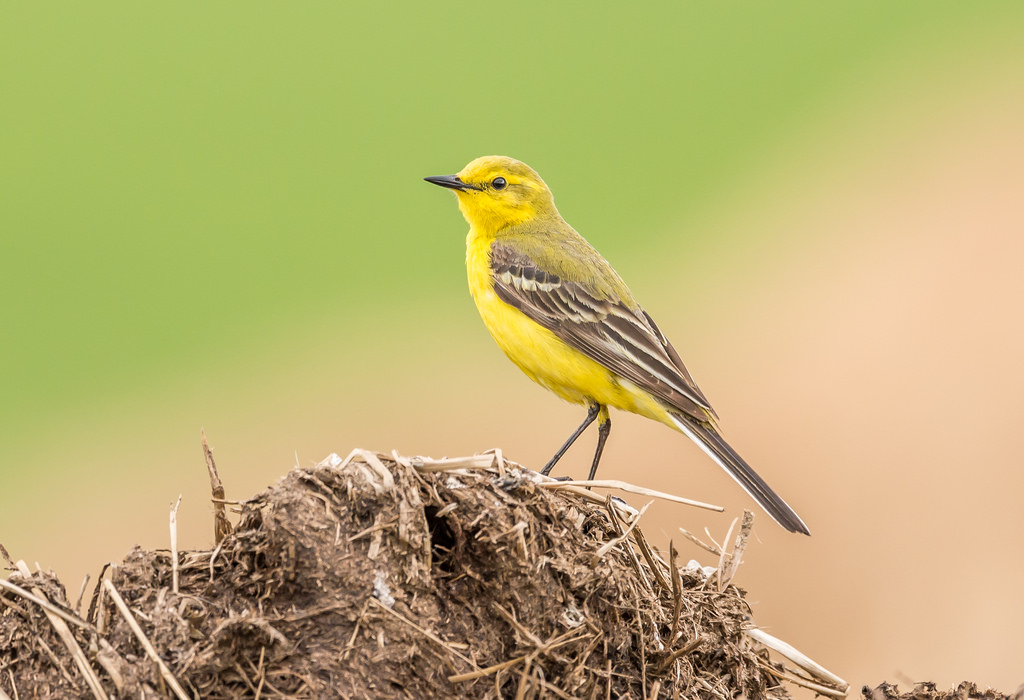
566,318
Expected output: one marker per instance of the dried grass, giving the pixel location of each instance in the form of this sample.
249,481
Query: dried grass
387,576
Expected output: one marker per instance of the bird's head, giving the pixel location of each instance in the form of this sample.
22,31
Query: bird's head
496,191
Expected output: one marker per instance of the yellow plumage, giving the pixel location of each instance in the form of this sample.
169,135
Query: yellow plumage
540,354
560,312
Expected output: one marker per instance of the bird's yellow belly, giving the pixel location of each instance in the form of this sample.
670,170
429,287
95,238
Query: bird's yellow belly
542,356
546,359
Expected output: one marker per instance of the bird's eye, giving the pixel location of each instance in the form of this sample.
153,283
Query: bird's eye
498,183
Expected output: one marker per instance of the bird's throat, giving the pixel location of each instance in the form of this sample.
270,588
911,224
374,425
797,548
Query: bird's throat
488,217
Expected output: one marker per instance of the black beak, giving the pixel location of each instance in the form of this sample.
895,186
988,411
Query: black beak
452,182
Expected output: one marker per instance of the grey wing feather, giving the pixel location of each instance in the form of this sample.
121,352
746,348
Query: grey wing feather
624,340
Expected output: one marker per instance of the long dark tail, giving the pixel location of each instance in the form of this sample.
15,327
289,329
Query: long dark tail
719,450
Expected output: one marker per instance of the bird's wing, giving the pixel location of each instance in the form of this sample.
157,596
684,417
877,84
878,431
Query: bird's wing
624,340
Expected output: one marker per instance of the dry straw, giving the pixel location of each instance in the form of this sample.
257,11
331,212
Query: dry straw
471,576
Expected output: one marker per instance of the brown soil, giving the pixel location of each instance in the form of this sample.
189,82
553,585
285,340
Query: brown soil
385,578
372,578
928,691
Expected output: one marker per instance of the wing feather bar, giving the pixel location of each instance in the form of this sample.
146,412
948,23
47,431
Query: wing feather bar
623,339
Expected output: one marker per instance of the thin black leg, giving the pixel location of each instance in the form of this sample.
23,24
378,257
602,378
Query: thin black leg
591,417
603,430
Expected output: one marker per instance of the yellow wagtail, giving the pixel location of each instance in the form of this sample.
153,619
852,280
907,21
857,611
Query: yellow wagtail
566,318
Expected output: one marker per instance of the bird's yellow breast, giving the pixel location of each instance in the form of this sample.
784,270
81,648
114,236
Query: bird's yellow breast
540,354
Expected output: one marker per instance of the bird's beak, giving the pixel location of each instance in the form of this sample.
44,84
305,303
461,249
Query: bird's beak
452,182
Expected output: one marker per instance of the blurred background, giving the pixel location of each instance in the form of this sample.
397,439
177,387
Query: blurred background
213,217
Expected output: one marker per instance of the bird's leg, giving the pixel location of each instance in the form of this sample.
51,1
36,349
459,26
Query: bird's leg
591,416
604,427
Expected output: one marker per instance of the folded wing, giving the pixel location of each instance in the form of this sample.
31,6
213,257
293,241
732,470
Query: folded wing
615,333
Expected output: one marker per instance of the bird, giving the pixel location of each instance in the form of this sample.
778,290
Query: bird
565,317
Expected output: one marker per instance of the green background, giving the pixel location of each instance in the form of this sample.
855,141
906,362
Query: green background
212,214
179,182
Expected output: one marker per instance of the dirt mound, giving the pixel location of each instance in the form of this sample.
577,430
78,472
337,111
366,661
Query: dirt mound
928,691
380,577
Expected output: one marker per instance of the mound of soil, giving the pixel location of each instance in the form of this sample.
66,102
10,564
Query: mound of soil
928,691
374,577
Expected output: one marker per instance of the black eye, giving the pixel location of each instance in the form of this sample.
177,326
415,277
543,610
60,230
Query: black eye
498,183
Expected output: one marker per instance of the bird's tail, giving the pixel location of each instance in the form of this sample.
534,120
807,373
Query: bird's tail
708,439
